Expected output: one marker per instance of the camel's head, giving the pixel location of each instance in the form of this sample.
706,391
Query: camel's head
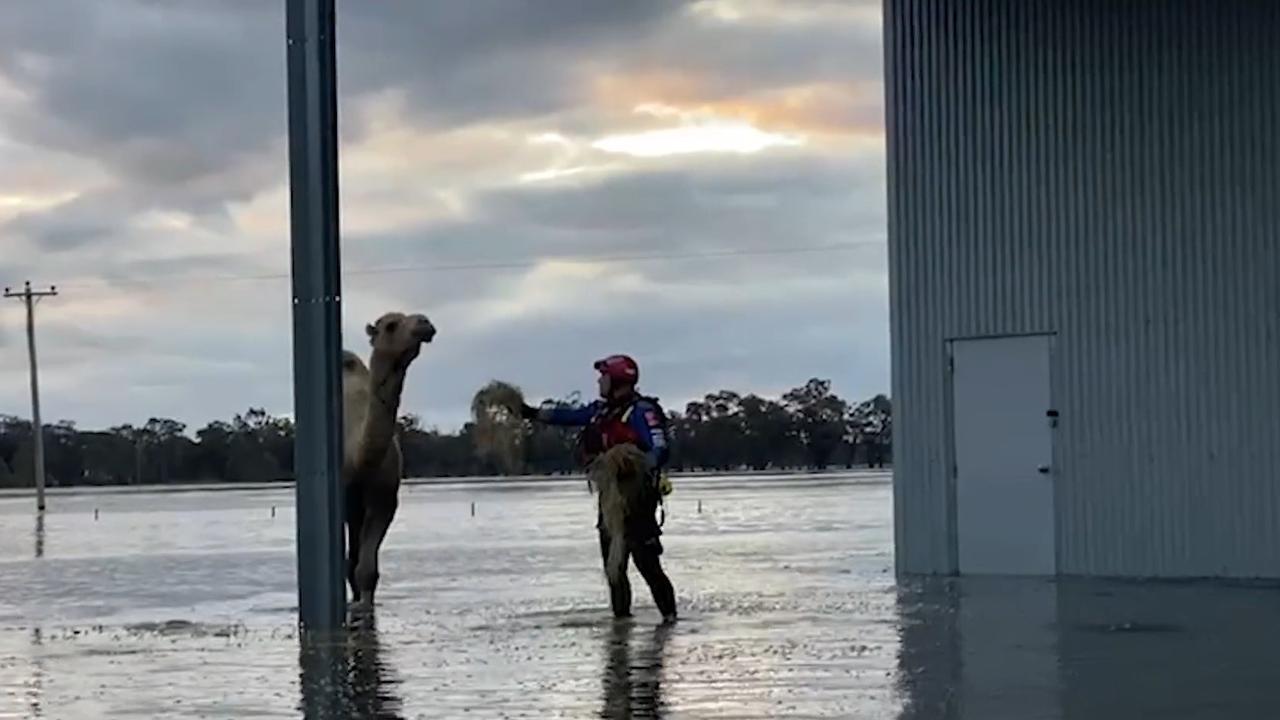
399,335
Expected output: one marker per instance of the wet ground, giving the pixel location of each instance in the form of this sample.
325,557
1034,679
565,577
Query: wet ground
182,606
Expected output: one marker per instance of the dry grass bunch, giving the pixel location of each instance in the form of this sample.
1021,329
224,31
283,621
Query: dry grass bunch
499,431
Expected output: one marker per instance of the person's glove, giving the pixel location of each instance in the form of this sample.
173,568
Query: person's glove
528,412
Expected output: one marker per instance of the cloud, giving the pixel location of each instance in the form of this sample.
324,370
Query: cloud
72,224
755,52
182,98
188,98
549,181
767,341
459,63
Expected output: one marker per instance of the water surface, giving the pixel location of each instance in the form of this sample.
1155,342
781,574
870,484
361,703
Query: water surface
182,605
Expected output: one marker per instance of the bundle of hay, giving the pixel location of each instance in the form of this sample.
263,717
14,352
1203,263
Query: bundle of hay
499,430
619,476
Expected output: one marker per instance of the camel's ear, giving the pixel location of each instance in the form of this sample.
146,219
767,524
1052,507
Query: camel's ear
371,330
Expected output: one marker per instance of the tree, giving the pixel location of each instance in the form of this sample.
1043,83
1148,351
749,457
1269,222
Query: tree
261,447
213,451
64,454
711,432
167,449
820,419
768,430
137,440
15,435
110,458
723,430
870,427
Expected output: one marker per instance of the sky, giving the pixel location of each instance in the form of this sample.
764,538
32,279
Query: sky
699,184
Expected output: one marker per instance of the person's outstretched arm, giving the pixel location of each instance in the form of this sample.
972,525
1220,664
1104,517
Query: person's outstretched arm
571,416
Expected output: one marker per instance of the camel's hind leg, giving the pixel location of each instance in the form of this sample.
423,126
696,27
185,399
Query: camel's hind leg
377,520
354,509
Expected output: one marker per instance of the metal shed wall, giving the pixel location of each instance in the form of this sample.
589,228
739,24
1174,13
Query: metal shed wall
1107,170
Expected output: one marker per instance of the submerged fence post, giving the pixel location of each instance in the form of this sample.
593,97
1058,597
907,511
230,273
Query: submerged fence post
317,316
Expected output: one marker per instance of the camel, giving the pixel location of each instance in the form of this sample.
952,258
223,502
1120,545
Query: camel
371,463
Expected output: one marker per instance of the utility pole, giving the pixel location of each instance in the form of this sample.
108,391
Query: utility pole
30,298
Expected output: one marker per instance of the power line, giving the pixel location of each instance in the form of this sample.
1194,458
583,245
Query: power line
30,297
507,265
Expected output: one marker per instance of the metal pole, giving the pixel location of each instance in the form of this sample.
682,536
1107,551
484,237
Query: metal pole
29,297
317,336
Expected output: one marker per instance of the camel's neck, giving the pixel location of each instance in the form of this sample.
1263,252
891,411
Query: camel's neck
386,383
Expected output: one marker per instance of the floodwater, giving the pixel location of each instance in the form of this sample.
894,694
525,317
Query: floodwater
182,605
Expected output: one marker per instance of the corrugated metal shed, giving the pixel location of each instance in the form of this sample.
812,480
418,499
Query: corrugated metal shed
1107,170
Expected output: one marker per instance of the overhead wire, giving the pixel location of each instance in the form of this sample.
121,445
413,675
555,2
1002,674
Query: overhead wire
184,280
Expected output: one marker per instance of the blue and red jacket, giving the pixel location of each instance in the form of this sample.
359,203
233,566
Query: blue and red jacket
639,421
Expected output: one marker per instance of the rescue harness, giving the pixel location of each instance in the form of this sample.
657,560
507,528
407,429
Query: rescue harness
609,428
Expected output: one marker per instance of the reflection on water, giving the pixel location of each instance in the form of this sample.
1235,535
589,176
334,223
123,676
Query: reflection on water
928,671
373,679
1102,650
35,688
344,675
40,534
633,687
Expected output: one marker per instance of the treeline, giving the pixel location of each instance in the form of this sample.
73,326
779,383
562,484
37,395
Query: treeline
808,427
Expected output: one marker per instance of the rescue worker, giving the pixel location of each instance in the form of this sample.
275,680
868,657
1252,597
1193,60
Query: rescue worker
623,415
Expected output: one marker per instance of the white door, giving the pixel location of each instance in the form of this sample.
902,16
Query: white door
1003,449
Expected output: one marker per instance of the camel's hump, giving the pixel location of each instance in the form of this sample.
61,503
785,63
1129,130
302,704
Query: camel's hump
351,363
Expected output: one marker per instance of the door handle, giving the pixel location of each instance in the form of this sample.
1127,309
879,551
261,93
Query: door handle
1043,469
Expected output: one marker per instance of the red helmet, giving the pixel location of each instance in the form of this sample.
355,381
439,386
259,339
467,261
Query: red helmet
619,368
